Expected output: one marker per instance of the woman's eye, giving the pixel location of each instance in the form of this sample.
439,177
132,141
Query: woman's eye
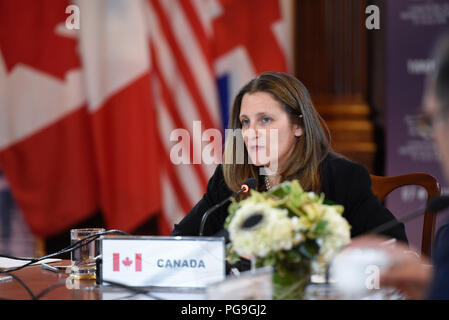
245,122
266,120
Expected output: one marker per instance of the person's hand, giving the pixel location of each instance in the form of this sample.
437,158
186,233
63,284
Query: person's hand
410,272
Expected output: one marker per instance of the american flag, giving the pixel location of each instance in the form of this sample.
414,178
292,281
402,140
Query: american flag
202,52
86,115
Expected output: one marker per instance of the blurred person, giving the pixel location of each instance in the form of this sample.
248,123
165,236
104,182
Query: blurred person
417,276
280,102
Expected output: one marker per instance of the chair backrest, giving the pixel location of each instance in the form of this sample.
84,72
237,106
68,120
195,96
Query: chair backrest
382,186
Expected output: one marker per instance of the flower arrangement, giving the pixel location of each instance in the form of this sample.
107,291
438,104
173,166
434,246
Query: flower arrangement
294,231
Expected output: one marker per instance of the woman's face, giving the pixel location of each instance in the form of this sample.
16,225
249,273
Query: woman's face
267,131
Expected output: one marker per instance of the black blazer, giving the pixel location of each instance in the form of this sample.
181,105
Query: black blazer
343,182
439,287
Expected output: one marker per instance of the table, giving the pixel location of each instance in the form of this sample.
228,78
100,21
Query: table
48,285
38,280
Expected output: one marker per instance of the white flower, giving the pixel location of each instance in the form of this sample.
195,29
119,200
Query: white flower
336,235
276,231
260,226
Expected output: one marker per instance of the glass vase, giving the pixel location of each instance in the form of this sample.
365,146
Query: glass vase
291,283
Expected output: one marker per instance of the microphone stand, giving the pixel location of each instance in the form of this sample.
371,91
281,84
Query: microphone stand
393,223
208,212
249,183
435,205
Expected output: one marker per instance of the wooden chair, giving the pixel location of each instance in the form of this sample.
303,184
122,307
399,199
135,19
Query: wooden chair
382,186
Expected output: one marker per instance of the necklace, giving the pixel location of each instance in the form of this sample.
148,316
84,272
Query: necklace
267,183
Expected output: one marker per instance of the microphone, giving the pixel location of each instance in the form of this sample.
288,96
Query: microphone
248,184
438,204
435,205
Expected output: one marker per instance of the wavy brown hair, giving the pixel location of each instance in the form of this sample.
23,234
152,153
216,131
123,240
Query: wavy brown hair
310,149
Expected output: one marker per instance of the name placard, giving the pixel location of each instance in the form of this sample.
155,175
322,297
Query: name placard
192,262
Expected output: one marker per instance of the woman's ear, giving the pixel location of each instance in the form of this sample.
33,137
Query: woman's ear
298,131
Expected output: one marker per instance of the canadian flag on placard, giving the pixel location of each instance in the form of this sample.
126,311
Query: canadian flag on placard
127,262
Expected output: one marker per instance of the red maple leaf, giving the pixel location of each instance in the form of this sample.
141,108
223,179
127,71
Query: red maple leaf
249,23
127,262
27,35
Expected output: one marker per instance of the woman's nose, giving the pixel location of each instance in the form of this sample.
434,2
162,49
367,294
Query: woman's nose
252,132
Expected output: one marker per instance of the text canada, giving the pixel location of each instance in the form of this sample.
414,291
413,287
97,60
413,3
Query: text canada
180,263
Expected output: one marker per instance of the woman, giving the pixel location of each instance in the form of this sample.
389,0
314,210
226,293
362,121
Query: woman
279,103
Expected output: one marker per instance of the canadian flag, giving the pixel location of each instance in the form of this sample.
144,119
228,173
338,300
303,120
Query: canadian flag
115,56
127,262
78,108
76,118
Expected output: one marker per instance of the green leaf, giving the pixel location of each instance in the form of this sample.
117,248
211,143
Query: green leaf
269,261
321,227
294,256
231,255
293,208
281,190
232,208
